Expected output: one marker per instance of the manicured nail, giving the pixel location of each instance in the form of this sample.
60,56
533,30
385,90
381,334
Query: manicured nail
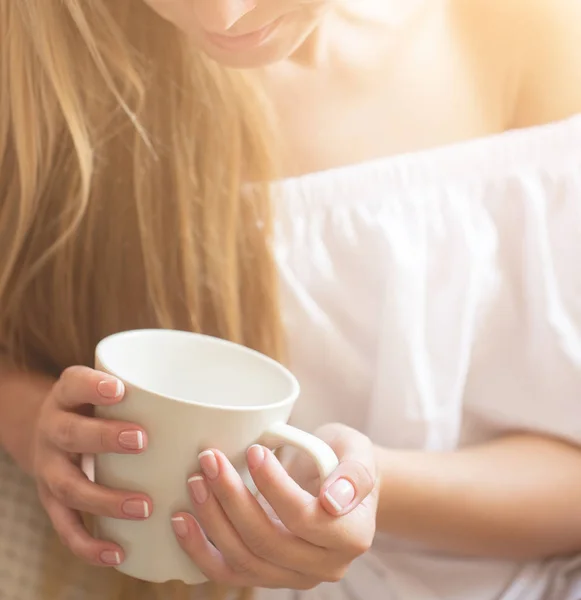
209,464
255,456
131,440
179,526
110,557
111,387
138,509
340,494
199,488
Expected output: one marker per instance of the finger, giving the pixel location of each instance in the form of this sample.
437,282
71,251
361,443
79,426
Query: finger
215,566
203,553
77,434
266,539
355,478
349,485
218,528
71,488
299,511
72,532
79,386
350,535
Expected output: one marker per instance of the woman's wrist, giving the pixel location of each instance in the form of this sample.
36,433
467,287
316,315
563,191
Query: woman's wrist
406,490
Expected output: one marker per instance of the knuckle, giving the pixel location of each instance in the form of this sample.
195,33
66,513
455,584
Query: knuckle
211,573
336,575
260,545
364,475
63,489
79,550
225,494
242,565
306,585
298,522
70,378
333,431
74,372
64,432
67,539
105,434
359,544
71,541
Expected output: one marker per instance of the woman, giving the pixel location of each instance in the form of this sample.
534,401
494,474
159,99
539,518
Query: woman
429,300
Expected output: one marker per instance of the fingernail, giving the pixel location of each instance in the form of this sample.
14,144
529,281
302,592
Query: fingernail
255,456
209,464
131,440
199,488
111,557
180,526
111,387
138,509
340,494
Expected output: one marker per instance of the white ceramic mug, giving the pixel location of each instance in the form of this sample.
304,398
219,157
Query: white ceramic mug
190,392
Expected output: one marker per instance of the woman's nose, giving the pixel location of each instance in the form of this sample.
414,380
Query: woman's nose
218,16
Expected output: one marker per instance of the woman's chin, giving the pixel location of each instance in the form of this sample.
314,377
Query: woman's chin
247,59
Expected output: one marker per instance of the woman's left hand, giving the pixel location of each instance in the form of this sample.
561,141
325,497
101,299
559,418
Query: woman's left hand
298,541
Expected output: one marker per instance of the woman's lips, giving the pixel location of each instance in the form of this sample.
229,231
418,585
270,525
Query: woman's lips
245,41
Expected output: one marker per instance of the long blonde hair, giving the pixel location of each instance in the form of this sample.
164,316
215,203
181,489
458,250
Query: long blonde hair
122,157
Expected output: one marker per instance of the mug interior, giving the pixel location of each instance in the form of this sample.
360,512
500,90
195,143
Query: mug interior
196,369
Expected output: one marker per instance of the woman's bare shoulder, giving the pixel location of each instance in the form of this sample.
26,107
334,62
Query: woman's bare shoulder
551,81
533,47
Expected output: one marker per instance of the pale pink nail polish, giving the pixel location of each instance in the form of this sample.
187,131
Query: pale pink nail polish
110,557
110,388
209,464
255,456
199,489
340,494
180,526
131,440
138,509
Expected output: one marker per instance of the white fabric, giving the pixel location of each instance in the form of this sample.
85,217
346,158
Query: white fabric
432,301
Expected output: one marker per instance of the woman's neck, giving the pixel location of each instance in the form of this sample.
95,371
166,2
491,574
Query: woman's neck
328,37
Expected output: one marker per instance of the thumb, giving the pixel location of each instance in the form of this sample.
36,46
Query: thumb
354,479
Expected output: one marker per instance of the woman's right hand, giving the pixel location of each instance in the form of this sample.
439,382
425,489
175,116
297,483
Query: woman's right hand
65,430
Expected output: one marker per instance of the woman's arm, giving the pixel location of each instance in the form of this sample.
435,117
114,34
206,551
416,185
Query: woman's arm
516,497
21,396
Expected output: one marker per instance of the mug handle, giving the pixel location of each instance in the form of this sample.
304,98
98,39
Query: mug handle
280,434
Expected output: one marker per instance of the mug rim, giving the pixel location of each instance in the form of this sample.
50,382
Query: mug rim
290,399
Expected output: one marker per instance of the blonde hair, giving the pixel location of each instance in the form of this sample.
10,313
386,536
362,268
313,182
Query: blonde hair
122,157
